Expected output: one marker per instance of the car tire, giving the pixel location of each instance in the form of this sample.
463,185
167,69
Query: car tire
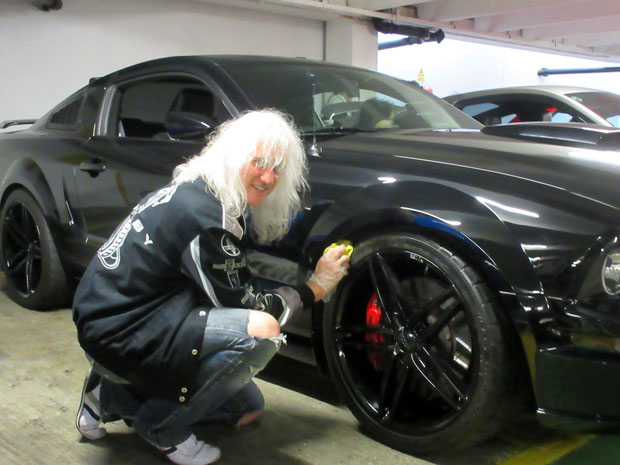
434,371
34,276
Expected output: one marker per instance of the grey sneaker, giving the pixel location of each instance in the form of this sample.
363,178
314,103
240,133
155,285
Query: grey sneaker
88,418
192,452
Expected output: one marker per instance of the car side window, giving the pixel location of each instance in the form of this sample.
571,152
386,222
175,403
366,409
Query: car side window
505,109
66,117
140,108
485,112
614,120
369,108
506,119
561,117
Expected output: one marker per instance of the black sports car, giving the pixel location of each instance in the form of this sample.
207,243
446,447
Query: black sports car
484,267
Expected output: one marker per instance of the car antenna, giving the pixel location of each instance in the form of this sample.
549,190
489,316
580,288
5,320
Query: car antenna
314,150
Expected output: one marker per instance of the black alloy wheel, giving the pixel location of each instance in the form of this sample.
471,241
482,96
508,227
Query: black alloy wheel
414,343
34,275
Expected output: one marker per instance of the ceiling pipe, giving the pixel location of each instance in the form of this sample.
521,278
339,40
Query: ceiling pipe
399,43
415,35
608,69
47,5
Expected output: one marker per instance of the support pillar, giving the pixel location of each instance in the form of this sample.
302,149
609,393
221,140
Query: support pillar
351,41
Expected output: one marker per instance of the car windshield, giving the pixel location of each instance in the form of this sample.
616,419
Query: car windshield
604,104
339,99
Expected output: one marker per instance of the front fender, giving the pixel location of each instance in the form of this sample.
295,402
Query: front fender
455,218
427,206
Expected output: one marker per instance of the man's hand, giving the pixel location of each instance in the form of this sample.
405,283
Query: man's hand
330,269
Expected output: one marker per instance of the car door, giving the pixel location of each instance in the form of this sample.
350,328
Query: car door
131,154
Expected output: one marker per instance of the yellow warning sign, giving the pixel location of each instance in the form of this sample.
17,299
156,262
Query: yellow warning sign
421,76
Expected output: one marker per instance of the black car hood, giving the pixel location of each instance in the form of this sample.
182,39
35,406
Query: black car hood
593,174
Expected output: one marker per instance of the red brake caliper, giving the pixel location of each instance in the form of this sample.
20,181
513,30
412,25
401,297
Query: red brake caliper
373,318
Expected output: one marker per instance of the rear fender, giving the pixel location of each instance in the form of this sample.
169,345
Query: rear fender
24,173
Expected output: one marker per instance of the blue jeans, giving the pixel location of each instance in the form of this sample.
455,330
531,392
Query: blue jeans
228,361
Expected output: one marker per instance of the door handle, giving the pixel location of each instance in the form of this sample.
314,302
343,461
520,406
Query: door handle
93,168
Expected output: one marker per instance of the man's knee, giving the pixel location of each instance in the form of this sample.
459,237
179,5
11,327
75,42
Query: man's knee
263,325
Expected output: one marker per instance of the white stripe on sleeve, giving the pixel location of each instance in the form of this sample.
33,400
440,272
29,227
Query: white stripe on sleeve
195,250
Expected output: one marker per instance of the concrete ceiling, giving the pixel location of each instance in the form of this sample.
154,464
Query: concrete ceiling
585,28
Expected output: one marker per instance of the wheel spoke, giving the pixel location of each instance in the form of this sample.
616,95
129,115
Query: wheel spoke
448,374
440,378
423,313
402,374
19,256
29,274
396,374
421,369
387,374
387,288
444,317
36,250
18,262
15,233
24,214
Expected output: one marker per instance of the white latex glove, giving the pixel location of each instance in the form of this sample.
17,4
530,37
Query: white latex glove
330,269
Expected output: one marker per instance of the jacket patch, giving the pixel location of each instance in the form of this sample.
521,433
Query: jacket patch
230,267
110,254
229,247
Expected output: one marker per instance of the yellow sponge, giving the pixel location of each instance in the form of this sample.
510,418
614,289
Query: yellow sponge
348,249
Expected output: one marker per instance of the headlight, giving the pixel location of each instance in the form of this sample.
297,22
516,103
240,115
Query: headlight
610,274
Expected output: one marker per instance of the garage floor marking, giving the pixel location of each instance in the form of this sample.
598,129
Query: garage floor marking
548,452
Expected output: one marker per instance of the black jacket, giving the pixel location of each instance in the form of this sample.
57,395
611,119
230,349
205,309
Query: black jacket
142,305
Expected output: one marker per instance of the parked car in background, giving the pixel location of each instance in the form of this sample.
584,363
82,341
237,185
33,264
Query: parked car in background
584,135
484,267
558,104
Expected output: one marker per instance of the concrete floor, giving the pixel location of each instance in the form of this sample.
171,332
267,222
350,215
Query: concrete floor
41,372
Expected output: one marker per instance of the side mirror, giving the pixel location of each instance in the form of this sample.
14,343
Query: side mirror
186,125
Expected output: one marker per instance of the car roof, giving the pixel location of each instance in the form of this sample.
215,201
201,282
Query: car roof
209,62
537,89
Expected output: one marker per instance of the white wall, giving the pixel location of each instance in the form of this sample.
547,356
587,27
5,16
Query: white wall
44,57
455,66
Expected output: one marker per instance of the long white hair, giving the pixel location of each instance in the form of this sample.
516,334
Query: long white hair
266,133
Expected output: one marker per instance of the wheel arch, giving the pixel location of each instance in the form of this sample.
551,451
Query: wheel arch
37,280
450,217
26,174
